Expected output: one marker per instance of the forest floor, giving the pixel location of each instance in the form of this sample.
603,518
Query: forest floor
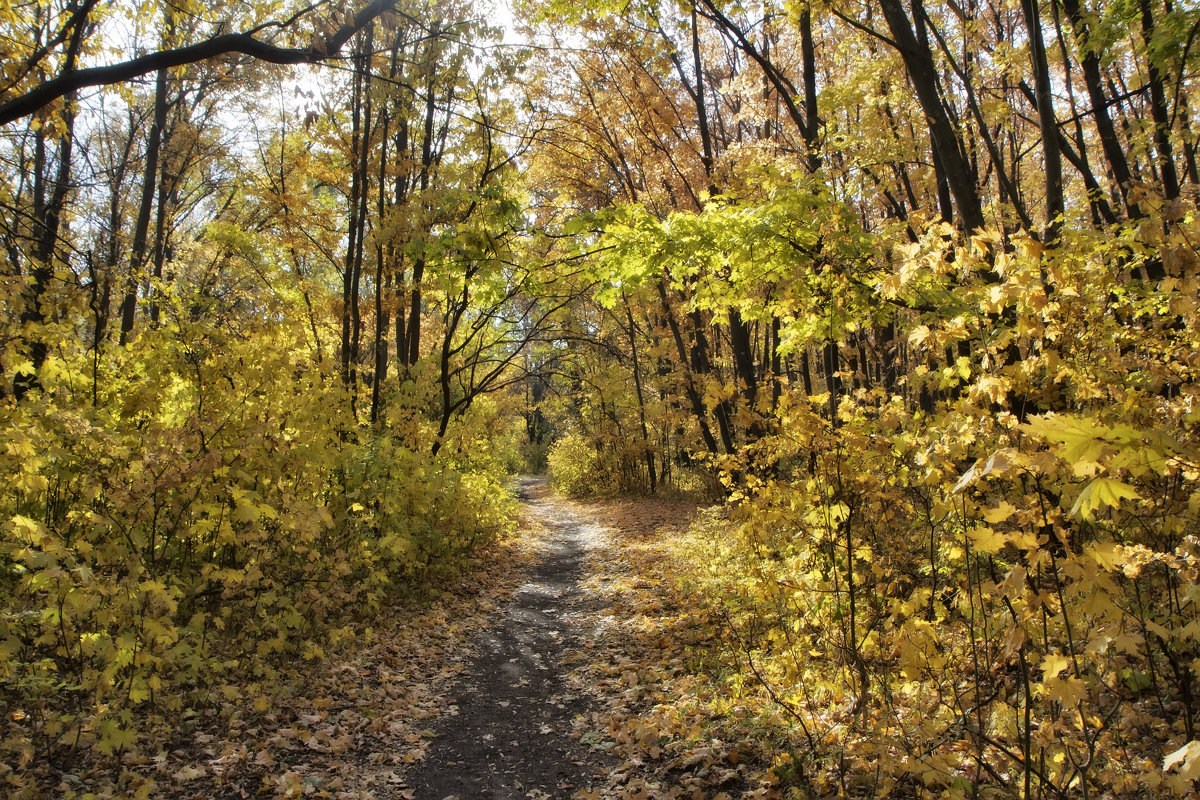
569,663
510,734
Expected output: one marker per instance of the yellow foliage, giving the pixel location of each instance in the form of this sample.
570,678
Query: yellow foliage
216,513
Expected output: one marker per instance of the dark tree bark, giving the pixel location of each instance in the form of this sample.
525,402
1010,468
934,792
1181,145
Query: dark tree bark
47,222
918,60
1114,152
690,389
168,195
70,79
360,138
413,345
701,107
808,55
1158,109
647,448
141,227
1052,154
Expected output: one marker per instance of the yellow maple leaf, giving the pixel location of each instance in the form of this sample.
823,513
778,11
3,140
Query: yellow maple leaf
1053,664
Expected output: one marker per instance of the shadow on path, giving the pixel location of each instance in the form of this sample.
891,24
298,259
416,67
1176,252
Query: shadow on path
508,734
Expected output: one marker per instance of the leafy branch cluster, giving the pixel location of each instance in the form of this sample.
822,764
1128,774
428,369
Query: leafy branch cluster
919,286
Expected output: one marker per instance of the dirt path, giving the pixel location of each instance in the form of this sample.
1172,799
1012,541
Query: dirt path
575,678
508,734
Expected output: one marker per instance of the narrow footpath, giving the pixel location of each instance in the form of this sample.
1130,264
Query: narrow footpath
508,732
567,663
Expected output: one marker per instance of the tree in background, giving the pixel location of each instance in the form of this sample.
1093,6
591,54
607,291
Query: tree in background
918,282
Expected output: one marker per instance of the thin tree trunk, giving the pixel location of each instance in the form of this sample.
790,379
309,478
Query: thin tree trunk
689,382
808,56
47,222
1158,109
701,109
414,311
1114,153
353,226
918,59
647,450
166,197
381,252
1055,204
141,227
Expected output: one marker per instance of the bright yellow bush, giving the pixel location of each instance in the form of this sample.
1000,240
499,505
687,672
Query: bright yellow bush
216,515
968,598
577,468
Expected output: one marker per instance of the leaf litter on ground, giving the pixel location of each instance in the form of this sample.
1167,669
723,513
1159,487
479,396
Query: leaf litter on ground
353,725
653,665
347,726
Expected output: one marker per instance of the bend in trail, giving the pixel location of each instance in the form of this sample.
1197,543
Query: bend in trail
508,731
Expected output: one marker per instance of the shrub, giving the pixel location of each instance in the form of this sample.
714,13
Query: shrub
214,514
577,468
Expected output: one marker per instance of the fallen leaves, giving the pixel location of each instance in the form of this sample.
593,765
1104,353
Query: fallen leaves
661,713
351,727
189,773
347,727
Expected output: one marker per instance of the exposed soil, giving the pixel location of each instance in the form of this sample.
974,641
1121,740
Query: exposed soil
508,733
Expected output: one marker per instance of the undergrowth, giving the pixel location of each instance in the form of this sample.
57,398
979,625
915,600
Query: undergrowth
201,529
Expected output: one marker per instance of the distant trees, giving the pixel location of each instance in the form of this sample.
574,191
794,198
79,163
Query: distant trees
936,115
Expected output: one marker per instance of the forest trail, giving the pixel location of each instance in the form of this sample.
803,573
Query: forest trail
508,733
590,683
561,664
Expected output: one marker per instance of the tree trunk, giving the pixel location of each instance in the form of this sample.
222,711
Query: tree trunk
693,394
1055,204
1114,153
647,450
47,222
1158,109
141,227
918,60
414,311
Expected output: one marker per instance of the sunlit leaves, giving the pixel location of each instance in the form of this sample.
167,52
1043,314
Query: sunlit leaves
171,534
1101,493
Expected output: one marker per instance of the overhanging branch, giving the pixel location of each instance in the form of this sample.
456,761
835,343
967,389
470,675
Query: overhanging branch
243,43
